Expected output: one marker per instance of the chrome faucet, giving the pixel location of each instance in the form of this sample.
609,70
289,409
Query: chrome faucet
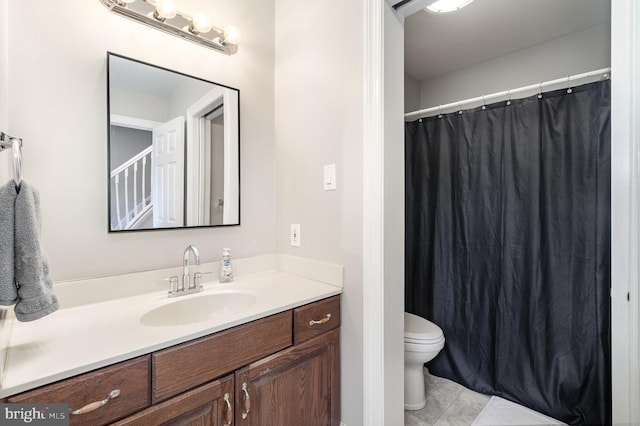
186,287
185,266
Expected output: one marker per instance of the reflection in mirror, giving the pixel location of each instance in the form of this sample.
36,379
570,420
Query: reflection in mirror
173,149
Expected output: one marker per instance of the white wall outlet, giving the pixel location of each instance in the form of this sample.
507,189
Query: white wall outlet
295,234
330,177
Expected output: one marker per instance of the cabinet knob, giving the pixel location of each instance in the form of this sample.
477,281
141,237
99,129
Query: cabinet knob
92,406
229,416
247,401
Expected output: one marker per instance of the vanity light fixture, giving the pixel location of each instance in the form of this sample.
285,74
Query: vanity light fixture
164,15
444,6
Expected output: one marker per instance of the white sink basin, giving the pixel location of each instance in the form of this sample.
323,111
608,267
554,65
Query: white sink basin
197,309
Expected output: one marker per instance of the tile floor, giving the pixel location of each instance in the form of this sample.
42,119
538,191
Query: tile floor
448,403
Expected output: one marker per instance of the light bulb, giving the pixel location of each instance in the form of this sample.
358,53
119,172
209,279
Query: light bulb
444,6
200,23
231,35
165,9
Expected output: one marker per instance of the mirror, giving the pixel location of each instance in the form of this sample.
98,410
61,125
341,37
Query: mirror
173,149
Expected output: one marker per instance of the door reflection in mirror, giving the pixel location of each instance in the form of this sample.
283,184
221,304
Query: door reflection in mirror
173,149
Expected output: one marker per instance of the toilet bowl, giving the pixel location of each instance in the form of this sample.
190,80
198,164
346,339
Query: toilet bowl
423,340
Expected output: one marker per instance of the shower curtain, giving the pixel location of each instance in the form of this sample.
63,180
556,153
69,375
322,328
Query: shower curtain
508,248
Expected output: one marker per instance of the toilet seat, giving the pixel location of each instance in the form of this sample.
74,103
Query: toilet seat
421,331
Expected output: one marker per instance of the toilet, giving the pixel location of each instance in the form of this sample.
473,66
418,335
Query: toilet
423,340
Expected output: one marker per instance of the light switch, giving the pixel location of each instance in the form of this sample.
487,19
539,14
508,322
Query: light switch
330,177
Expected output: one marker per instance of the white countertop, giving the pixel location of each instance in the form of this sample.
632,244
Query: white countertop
82,338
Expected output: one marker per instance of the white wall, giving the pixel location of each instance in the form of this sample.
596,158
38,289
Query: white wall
318,116
6,171
57,98
411,92
576,53
625,234
393,218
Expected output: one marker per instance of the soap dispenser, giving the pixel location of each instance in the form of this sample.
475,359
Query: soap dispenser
226,272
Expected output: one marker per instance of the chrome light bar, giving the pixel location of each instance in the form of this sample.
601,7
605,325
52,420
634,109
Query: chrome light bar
161,15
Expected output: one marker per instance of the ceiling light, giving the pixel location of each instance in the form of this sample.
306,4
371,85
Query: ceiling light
444,6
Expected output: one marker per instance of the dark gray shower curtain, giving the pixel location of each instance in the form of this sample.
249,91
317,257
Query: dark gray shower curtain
508,248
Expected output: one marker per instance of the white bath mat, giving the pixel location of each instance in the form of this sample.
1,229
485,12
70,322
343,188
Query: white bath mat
500,412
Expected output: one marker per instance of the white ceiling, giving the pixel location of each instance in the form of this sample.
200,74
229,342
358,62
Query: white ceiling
487,29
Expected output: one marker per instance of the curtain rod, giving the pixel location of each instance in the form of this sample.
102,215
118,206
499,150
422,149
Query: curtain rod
604,74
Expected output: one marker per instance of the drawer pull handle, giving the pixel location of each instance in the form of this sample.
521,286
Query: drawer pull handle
229,418
247,401
322,321
97,404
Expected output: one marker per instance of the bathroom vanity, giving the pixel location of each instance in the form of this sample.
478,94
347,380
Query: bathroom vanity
270,365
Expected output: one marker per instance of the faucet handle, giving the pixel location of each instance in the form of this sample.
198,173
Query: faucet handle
197,278
173,284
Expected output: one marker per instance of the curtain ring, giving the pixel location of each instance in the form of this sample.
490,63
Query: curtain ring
439,111
540,91
483,103
509,97
569,89
459,108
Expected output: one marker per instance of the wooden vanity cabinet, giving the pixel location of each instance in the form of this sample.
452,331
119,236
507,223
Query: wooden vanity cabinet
279,370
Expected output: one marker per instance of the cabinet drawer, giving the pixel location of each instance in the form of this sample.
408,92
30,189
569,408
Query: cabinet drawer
315,318
131,378
188,365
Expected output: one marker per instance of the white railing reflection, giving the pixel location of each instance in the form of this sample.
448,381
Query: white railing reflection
133,192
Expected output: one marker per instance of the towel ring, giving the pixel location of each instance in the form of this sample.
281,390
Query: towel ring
16,147
7,141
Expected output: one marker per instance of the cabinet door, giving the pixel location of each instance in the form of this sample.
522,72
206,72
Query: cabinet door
297,386
207,405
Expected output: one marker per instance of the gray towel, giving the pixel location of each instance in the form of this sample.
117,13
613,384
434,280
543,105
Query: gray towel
35,287
8,290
